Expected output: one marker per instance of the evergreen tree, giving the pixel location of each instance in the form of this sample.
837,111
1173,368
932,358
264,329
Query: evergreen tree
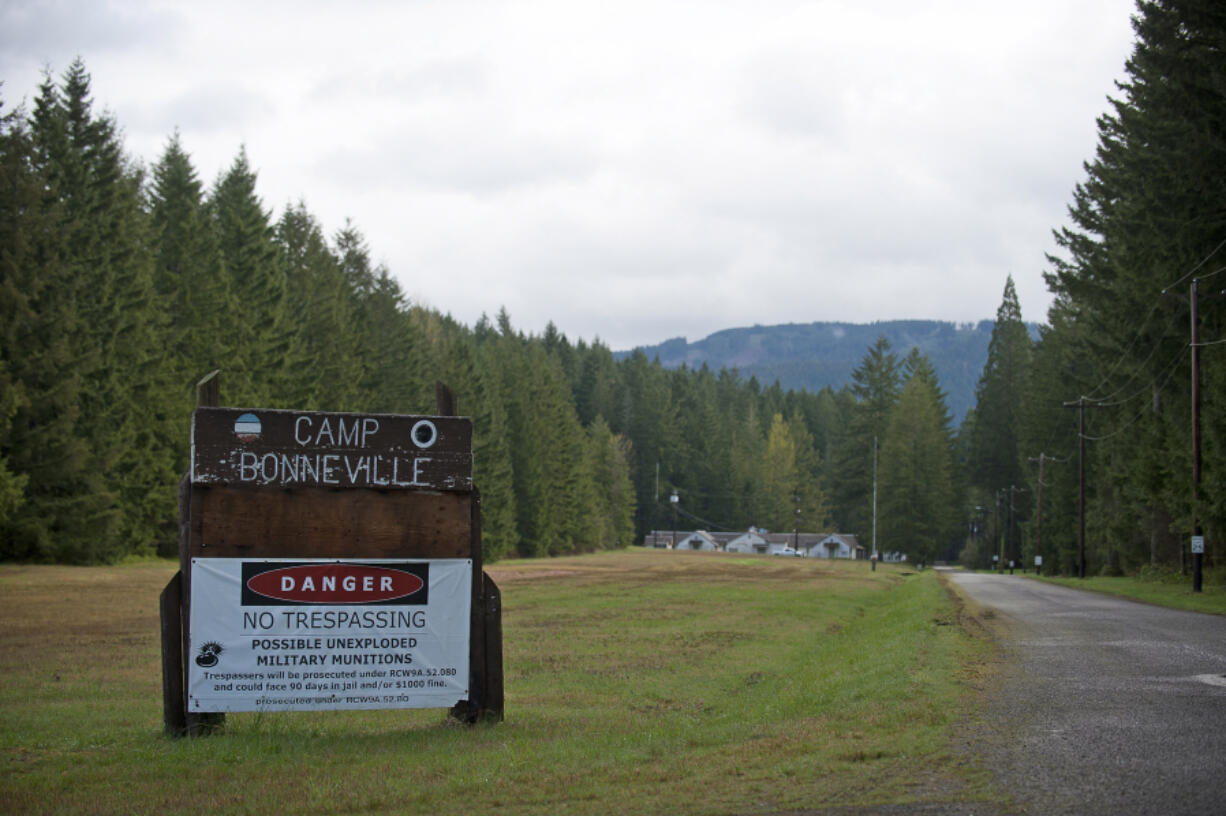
916,482
875,389
256,279
391,369
995,458
597,383
188,278
646,415
125,403
48,491
493,471
778,478
12,484
815,510
613,490
324,358
566,496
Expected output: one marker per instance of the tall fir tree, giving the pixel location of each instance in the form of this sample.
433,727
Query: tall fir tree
323,360
875,387
778,497
125,416
613,492
493,471
188,278
916,480
53,497
254,276
995,456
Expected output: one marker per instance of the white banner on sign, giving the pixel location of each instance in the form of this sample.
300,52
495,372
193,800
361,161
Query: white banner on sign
325,634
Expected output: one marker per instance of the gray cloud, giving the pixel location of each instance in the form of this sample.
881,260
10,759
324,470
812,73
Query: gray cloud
222,107
634,172
46,30
466,159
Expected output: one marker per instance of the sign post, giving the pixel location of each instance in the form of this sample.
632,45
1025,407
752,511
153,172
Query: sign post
329,561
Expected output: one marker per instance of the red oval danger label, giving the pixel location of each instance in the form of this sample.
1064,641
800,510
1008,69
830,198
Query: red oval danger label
335,584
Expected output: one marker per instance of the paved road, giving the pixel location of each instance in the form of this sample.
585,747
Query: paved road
1109,707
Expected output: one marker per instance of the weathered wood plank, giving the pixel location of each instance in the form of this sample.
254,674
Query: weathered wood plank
260,448
320,523
170,607
492,701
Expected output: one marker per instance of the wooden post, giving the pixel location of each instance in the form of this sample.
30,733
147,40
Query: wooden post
1038,567
1198,553
492,609
444,400
1081,487
208,390
208,395
485,692
170,605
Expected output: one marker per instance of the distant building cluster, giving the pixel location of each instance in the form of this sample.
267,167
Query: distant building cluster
761,542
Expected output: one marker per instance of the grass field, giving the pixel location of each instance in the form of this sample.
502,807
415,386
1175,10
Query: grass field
1174,591
637,682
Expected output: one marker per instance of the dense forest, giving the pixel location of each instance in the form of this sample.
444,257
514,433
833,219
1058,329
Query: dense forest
121,285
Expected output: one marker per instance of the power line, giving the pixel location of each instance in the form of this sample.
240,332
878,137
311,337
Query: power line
1208,275
1145,323
1124,356
1134,420
1148,388
1192,271
710,524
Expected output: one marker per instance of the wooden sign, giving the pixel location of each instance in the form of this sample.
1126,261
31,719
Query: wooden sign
340,545
271,448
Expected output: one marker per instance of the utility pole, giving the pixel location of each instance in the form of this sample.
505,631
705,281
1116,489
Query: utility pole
673,499
796,524
1009,531
874,503
999,557
1198,538
655,508
1038,554
1081,483
1081,488
1014,554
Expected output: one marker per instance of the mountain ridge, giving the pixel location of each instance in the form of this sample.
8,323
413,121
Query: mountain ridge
812,356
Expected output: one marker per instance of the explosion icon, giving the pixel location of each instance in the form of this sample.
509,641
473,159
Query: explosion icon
209,653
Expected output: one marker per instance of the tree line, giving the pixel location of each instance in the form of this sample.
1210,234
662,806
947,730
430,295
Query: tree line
1146,222
121,285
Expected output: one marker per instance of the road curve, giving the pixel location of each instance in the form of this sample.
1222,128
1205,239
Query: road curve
1108,706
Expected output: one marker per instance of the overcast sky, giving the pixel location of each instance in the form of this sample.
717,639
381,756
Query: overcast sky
632,172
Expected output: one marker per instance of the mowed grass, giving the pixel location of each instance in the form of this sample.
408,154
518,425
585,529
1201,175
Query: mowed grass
636,682
1174,591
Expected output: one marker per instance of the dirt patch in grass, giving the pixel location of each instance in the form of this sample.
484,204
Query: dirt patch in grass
504,575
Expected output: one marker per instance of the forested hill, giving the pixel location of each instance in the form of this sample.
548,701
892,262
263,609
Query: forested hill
811,356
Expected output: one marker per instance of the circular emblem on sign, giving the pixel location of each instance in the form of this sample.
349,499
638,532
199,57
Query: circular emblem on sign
247,427
424,434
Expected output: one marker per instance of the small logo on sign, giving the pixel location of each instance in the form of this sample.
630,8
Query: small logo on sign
247,427
209,655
